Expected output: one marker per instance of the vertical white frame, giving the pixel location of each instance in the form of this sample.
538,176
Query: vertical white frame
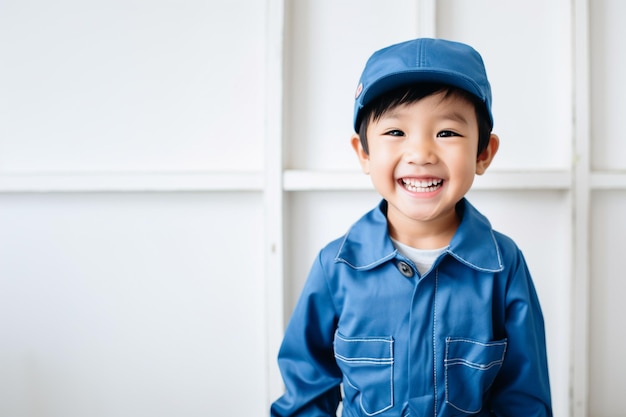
274,269
427,18
581,213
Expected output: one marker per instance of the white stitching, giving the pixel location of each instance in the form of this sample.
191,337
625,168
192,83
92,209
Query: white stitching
463,362
388,362
368,266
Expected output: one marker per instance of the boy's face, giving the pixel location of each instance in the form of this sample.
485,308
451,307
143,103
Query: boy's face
422,160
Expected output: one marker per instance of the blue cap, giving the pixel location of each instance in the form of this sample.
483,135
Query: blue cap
423,60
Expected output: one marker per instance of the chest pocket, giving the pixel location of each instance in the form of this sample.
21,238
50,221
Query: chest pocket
471,367
367,366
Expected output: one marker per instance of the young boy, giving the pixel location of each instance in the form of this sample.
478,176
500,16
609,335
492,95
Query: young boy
421,309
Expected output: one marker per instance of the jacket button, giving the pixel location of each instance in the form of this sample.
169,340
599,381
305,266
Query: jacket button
405,269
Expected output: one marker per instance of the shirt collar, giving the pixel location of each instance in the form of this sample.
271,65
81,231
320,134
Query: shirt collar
367,244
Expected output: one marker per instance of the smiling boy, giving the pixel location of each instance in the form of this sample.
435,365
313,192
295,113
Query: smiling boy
421,309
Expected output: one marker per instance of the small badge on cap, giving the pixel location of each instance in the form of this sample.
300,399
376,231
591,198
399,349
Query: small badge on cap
358,91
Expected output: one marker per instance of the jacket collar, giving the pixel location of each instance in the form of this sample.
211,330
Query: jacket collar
367,244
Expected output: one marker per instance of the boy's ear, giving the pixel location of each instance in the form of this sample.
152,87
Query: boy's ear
364,158
486,156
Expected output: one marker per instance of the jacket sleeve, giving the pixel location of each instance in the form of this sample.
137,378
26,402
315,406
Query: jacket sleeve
306,359
522,387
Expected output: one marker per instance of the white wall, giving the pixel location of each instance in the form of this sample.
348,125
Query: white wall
168,171
131,232
130,304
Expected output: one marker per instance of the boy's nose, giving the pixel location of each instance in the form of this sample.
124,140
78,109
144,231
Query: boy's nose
420,151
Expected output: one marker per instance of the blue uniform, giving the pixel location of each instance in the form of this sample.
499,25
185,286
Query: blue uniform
467,338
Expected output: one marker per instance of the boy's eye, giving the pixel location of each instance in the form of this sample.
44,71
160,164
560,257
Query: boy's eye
447,134
394,132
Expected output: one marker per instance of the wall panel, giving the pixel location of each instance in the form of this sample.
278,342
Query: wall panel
607,367
127,87
131,304
608,65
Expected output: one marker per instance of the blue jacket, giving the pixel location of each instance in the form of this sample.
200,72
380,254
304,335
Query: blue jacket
467,338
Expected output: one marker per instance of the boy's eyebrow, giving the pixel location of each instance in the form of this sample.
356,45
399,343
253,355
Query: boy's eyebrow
455,115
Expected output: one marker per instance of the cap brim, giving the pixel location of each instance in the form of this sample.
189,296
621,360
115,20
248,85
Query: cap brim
416,76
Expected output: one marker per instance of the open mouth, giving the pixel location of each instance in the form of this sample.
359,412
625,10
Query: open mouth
416,185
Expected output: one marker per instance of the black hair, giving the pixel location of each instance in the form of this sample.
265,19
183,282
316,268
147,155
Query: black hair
415,92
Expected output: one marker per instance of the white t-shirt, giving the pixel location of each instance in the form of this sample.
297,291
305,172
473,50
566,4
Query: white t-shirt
422,258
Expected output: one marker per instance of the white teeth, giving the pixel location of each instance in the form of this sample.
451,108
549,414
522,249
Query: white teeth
421,186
